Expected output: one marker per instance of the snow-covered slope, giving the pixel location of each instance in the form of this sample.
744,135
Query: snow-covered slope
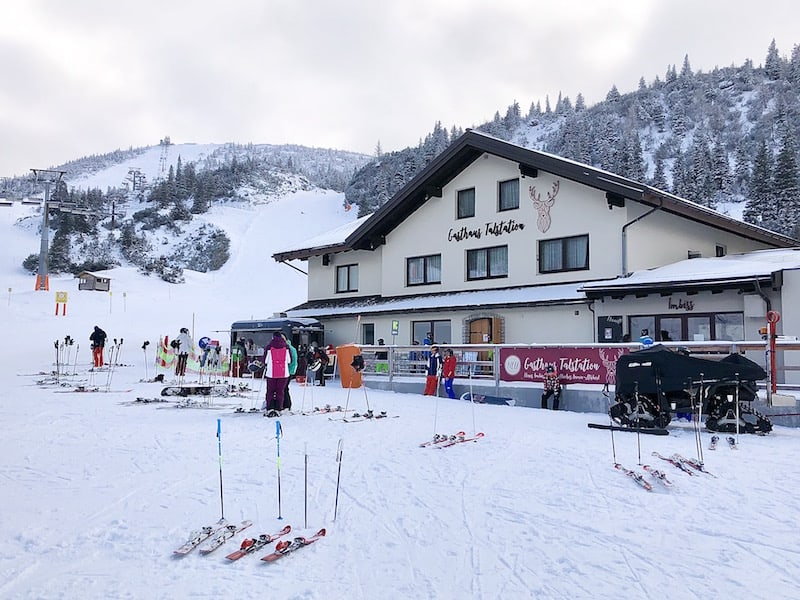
98,491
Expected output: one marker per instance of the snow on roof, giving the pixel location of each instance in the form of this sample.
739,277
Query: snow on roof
334,237
732,266
524,295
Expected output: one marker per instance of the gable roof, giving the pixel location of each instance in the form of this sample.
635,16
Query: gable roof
473,144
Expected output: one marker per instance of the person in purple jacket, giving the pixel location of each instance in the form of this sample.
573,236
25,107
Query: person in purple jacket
277,358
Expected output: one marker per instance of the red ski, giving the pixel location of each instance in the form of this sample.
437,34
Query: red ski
658,475
461,440
637,477
285,547
251,545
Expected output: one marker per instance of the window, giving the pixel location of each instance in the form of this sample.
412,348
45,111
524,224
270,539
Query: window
564,254
689,327
347,278
440,330
720,250
421,270
508,195
368,334
466,203
487,263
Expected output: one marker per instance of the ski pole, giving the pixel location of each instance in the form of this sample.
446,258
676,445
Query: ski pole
305,491
219,451
610,423
144,350
278,433
338,477
638,424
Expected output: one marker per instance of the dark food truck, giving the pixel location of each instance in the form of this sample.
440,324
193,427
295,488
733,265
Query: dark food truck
257,334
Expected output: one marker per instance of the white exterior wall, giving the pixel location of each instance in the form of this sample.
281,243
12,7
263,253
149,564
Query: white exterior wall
577,210
662,238
322,279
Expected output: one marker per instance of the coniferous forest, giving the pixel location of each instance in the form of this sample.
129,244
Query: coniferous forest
728,137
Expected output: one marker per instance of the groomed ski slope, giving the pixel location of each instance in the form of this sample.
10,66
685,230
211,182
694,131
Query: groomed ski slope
98,492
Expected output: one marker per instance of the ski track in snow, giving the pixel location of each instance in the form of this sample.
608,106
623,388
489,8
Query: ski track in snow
98,491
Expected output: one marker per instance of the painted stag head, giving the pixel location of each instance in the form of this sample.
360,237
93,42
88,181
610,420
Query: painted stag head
610,364
542,207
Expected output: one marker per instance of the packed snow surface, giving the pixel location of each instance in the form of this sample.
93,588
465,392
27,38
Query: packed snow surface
98,491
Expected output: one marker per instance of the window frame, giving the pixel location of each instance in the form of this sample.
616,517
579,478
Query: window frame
425,270
564,256
489,275
349,288
459,193
500,184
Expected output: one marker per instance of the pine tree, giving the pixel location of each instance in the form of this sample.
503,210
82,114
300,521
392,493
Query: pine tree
760,208
772,64
786,185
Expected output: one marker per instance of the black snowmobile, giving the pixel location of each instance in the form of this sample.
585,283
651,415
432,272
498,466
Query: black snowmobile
655,383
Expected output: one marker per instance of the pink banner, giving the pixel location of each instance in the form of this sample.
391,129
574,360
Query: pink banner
574,365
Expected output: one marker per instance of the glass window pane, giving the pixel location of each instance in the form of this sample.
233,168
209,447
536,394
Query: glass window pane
415,271
466,203
550,255
498,261
476,264
353,283
341,279
435,269
509,194
698,329
729,327
577,252
640,326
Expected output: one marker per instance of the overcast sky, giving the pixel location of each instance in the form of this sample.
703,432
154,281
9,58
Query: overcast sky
84,77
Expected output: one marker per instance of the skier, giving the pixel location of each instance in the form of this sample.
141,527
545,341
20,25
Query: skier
238,358
434,372
183,345
287,398
98,339
552,387
449,372
277,358
318,361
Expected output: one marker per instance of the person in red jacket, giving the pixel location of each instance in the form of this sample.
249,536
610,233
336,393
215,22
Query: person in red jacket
449,372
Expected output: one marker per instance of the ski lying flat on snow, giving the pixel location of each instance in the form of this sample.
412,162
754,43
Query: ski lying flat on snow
251,545
659,476
441,438
460,440
218,389
637,477
694,463
223,535
198,537
285,547
647,430
368,416
676,463
82,389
